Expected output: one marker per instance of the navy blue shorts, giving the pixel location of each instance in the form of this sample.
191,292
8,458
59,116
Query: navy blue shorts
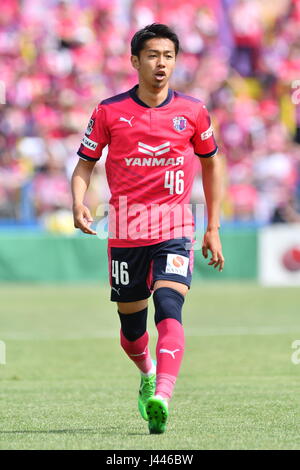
134,270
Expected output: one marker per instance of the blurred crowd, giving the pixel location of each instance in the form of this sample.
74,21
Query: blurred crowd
58,59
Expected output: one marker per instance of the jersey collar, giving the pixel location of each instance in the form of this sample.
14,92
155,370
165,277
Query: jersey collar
135,98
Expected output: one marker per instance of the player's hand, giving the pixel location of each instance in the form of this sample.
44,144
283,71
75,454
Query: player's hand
211,242
83,219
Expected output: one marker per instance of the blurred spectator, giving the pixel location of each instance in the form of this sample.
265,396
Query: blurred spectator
239,56
286,212
50,189
246,21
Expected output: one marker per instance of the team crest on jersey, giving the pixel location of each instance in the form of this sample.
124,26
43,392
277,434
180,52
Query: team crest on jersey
179,123
90,126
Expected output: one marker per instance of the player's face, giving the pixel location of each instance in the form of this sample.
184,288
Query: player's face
156,62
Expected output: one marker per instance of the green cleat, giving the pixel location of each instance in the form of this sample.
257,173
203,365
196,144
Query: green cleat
146,391
157,411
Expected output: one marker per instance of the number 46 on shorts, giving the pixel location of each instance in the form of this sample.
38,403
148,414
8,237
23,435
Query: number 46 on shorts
119,271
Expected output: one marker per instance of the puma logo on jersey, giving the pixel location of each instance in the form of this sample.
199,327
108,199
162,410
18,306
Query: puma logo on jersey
172,353
117,290
126,120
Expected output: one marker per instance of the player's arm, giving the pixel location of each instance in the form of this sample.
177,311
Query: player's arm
95,139
212,185
206,148
79,184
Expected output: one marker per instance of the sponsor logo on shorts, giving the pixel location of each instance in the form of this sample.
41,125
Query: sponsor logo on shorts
90,144
177,264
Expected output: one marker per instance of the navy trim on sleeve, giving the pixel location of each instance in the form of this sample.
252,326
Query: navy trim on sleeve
206,155
116,98
85,157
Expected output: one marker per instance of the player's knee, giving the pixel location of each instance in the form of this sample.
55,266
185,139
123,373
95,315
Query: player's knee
133,325
168,303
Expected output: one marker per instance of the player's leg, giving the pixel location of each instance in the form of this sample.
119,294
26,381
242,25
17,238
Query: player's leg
168,298
133,334
135,342
172,276
130,290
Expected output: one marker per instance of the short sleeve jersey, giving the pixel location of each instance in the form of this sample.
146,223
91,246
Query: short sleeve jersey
151,163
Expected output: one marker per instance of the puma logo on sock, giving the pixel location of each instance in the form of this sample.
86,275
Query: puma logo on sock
172,353
136,355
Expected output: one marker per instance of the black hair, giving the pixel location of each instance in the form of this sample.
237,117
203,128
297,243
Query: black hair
155,30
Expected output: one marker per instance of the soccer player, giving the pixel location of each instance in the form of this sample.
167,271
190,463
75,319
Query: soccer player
155,137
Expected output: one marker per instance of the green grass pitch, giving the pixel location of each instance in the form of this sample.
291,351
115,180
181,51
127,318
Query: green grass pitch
67,384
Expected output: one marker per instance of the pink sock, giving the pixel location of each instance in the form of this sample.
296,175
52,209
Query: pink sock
138,351
169,353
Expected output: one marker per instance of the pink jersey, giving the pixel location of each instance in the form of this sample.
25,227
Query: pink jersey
151,163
